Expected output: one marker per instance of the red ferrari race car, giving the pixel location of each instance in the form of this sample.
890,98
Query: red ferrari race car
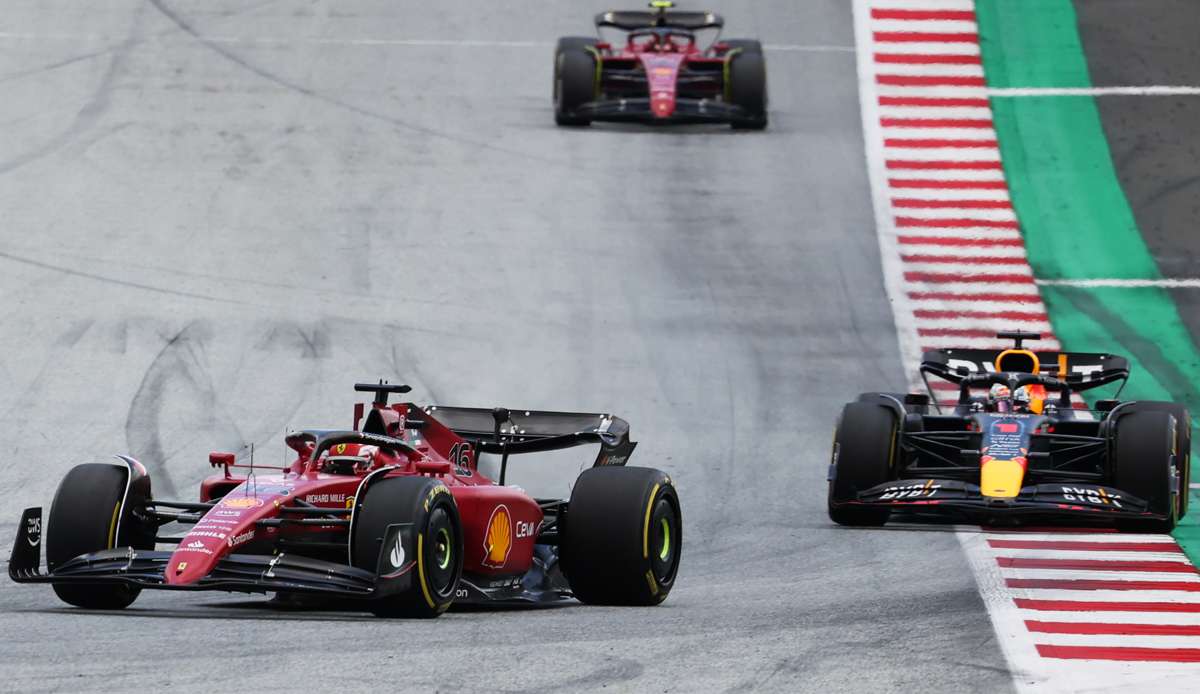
662,73
394,515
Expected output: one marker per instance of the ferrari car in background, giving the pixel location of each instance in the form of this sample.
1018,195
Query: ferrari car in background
663,73
394,515
1021,451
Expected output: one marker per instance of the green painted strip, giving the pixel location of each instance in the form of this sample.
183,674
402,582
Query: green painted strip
1031,43
1076,220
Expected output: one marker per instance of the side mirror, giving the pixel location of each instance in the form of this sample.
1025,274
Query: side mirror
219,459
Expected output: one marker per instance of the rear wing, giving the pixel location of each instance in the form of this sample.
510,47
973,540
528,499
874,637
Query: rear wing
1080,370
630,20
515,432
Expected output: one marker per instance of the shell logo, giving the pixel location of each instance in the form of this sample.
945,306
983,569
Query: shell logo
242,502
497,539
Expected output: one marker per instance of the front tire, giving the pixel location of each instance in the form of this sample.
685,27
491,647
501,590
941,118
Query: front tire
1183,445
88,515
864,446
1143,464
748,87
437,532
574,79
623,536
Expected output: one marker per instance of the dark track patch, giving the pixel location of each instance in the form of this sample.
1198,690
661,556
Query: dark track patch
1155,140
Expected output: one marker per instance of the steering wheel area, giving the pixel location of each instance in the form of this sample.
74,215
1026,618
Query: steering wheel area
1013,380
663,39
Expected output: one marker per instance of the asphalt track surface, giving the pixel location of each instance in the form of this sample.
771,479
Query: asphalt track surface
217,216
1155,140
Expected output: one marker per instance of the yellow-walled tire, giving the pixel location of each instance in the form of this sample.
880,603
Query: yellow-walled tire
623,536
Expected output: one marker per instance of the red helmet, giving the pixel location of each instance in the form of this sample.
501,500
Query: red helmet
348,458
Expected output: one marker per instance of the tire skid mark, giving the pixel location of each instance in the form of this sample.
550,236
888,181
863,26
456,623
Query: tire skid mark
111,280
223,51
141,423
91,111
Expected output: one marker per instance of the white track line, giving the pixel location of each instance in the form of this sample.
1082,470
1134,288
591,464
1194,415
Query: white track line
1124,283
1153,90
1091,555
363,41
1166,618
923,5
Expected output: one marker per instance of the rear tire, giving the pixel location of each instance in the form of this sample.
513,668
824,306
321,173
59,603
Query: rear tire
1142,465
84,518
574,79
623,536
744,45
863,448
748,88
436,527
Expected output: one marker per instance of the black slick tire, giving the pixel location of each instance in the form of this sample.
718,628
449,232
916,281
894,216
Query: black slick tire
428,505
86,516
574,79
1183,445
1144,441
748,86
623,537
744,45
864,446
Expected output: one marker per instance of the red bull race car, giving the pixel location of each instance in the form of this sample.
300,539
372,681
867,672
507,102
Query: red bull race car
665,71
394,515
1021,451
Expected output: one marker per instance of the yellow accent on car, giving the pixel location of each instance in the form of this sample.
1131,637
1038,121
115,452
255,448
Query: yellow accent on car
421,571
599,70
727,87
1001,478
646,525
112,526
662,4
652,582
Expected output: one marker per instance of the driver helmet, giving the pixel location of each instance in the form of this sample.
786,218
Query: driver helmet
1000,398
348,458
1022,399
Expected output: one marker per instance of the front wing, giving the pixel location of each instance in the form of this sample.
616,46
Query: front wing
686,111
1081,502
279,573
246,573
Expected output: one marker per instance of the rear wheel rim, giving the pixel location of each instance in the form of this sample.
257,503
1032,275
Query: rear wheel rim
442,548
664,540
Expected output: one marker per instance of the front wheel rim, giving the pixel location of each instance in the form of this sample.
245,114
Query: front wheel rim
442,554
